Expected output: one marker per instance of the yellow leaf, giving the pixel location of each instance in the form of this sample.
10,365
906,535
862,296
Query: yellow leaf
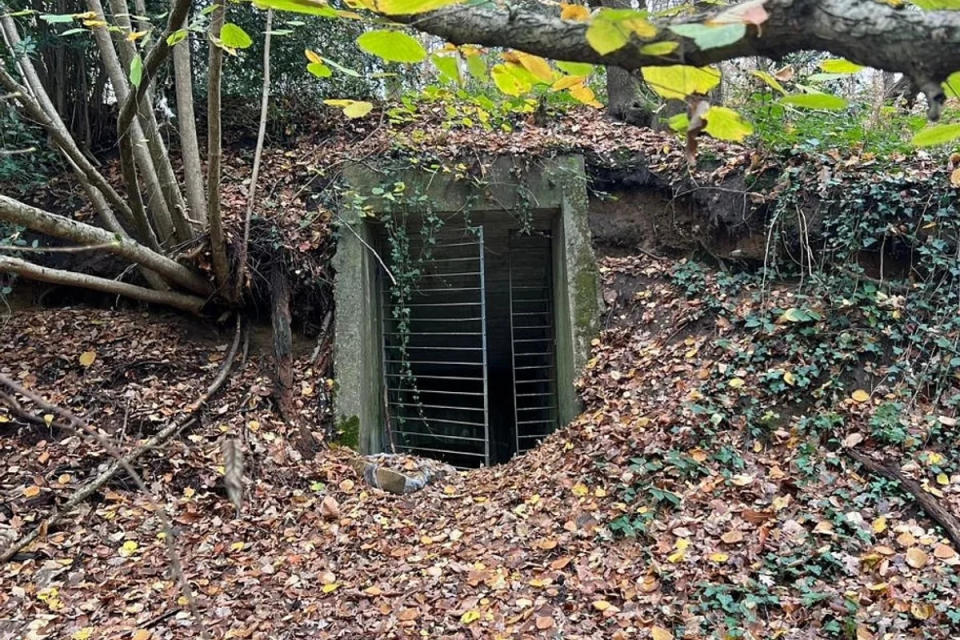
87,358
921,611
133,36
237,546
536,65
879,525
567,81
659,633
329,588
82,634
719,557
934,458
576,12
942,479
789,378
129,548
679,81
584,94
736,383
313,56
860,396
955,177
601,605
470,616
916,557
351,109
580,490
31,491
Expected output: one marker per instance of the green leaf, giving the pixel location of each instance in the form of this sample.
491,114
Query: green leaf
726,124
711,37
319,69
679,81
477,67
136,71
839,65
448,66
509,79
51,18
952,85
408,7
299,6
659,48
938,134
937,5
351,108
679,122
575,68
770,80
234,37
177,36
341,68
605,36
70,32
392,46
815,101
611,29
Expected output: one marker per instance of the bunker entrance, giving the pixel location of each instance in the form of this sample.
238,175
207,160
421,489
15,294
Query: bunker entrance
469,353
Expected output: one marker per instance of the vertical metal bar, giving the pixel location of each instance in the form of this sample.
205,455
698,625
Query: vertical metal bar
513,347
483,334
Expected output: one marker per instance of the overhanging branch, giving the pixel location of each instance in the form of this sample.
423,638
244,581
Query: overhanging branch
923,45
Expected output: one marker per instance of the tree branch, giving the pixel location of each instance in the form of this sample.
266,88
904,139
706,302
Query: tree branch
8,264
923,45
45,222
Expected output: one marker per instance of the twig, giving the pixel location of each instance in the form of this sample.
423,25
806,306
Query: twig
125,462
257,155
937,512
87,247
371,249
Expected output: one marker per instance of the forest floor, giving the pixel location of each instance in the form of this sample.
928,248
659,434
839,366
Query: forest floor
707,490
646,517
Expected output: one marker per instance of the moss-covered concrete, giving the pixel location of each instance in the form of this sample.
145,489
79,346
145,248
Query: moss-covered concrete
508,184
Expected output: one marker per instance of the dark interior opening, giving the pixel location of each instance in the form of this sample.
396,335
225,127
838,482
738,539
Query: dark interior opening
469,355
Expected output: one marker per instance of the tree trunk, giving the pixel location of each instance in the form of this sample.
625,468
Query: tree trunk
186,302
623,88
45,222
159,213
218,246
187,124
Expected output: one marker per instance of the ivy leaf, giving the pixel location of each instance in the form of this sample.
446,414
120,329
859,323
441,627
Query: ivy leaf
679,81
234,37
938,134
815,101
392,46
136,71
711,37
840,65
351,108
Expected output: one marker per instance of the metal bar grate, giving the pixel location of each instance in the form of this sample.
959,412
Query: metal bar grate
531,285
436,376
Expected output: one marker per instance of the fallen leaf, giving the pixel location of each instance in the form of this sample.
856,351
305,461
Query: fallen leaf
732,537
470,616
916,557
330,508
87,358
860,396
544,622
31,491
659,633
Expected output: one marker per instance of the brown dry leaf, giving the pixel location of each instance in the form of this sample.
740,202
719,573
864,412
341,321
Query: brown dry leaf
330,508
601,605
916,557
921,610
408,614
944,551
142,634
955,177
544,622
31,491
732,537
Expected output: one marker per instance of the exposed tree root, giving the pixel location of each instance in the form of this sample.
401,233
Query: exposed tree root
927,502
